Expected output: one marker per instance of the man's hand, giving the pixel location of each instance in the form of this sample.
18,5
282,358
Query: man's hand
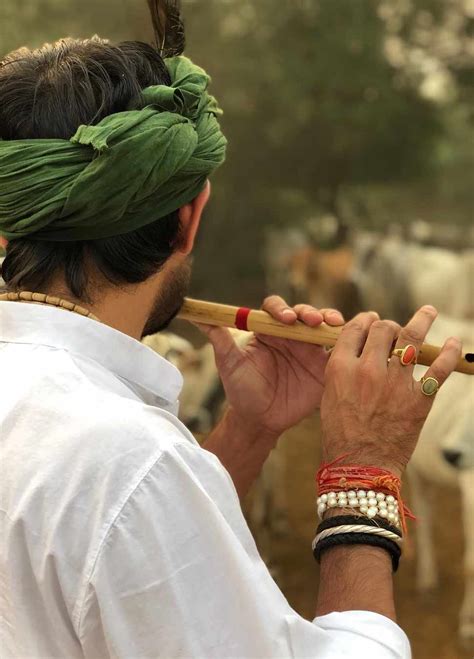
372,408
272,383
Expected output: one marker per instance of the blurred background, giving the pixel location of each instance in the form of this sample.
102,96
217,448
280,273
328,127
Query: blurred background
349,183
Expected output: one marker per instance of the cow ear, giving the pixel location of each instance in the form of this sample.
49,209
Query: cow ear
168,26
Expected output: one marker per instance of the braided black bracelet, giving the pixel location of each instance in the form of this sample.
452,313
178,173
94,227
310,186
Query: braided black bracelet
341,520
359,539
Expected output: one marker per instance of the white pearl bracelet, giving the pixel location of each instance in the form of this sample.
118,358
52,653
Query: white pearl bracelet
371,504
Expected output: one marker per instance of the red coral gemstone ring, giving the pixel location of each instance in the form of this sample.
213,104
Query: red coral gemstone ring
407,355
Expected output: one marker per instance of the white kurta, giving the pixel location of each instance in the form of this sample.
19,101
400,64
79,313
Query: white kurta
121,536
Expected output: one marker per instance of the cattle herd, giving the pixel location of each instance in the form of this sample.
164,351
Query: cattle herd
394,274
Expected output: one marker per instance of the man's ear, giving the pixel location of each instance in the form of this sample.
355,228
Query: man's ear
190,217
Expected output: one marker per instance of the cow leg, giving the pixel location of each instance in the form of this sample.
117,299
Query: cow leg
466,616
426,569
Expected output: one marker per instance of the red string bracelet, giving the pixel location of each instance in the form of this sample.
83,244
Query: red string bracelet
332,477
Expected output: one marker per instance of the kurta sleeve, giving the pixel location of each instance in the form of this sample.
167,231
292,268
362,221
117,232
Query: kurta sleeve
178,575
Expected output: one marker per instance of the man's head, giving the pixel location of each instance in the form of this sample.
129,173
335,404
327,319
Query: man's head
47,94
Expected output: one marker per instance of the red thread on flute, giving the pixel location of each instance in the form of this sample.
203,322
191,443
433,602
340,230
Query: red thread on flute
241,318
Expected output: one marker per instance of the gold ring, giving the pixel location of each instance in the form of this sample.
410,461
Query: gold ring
429,386
407,355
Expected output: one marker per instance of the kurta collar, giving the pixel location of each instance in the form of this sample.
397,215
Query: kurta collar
117,352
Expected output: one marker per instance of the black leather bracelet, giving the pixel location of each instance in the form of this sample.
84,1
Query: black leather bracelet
341,520
359,539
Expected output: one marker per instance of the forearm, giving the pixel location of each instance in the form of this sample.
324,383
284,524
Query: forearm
241,448
356,578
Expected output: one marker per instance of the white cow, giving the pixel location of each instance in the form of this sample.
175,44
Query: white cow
199,377
395,277
202,396
445,456
170,346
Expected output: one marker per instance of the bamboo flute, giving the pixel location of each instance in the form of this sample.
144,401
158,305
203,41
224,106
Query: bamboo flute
252,320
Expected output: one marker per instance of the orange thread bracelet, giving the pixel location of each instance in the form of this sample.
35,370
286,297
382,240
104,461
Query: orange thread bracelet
334,477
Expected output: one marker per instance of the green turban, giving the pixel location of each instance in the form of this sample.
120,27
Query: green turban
127,171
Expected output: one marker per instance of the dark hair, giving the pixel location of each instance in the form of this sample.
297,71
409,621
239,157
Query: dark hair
49,93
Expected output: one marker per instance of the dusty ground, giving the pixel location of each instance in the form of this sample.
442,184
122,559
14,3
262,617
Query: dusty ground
429,622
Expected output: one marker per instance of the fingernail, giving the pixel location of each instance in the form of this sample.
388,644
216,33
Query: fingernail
431,309
288,315
455,341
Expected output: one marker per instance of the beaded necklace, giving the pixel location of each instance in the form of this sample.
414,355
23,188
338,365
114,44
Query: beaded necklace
41,298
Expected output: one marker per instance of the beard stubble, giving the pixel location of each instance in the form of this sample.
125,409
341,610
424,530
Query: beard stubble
170,298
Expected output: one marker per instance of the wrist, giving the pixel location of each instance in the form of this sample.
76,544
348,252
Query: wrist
251,431
351,554
242,447
356,578
364,459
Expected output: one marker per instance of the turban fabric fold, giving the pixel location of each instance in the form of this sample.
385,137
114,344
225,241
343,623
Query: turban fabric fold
117,176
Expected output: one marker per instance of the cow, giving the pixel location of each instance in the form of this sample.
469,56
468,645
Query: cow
395,277
445,456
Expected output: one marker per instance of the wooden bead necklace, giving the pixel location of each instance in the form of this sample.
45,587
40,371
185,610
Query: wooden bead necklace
41,298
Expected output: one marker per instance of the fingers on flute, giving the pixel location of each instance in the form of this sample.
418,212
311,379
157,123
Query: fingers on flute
353,336
279,309
414,333
313,317
332,317
379,342
308,314
444,364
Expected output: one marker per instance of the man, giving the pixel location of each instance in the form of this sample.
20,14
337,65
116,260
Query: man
123,537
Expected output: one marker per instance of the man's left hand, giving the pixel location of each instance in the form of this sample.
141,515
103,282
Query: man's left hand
271,384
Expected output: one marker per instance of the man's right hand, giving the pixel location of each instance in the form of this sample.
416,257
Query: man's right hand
372,408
